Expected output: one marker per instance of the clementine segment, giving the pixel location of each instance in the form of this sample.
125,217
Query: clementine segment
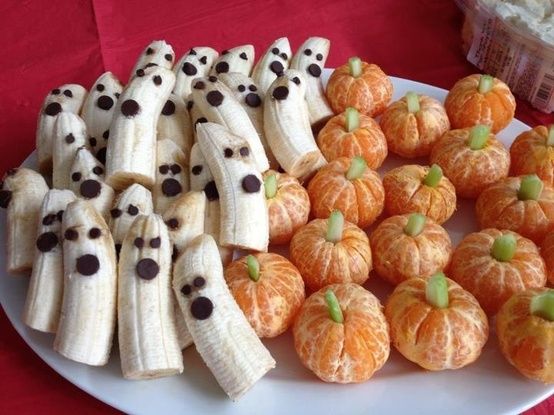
347,352
413,134
526,340
493,281
436,338
532,153
406,192
547,252
271,302
467,106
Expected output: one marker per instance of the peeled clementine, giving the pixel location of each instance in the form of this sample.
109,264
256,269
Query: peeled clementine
533,152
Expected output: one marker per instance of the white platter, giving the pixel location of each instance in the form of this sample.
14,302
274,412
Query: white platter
489,386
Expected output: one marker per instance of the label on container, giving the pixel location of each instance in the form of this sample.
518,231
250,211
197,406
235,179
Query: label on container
525,63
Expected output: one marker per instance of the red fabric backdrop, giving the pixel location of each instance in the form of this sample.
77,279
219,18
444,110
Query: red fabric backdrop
47,44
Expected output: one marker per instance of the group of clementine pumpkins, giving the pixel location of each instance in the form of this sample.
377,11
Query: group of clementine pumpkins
340,331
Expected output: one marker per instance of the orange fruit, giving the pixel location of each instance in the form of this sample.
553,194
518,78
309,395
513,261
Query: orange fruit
526,340
369,90
547,252
399,256
351,351
322,260
406,191
364,139
470,171
288,206
436,338
271,302
499,207
466,106
531,153
493,281
412,131
361,199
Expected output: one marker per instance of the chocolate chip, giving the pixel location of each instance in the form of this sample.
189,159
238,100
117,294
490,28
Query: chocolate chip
59,215
189,69
105,102
98,170
155,243
222,67
147,268
211,191
201,120
228,152
190,105
90,189
251,184
70,138
149,51
92,141
54,108
172,223
116,213
140,73
49,220
132,210
319,57
163,169
101,155
307,52
199,85
275,51
244,151
284,56
214,98
130,108
139,242
224,52
5,197
203,60
241,88
71,235
169,108
100,87
47,241
150,64
196,170
106,134
88,264
68,93
201,308
314,70
186,289
192,51
117,249
243,56
212,78
280,93
157,79
199,282
276,67
296,80
168,57
175,169
253,100
171,187
94,233
174,254
76,176
252,88
56,91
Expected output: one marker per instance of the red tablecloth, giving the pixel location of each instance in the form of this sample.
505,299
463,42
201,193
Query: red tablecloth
46,44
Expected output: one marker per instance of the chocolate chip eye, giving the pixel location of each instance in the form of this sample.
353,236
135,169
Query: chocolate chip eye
71,235
186,289
155,243
106,134
196,170
168,57
175,169
47,241
243,56
76,176
100,87
98,170
222,67
157,80
215,98
189,69
241,88
199,282
307,52
92,141
49,220
171,187
280,93
130,108
55,91
68,93
53,108
150,64
251,184
90,189
192,51
203,60
212,78
244,151
149,51
172,223
319,57
88,264
252,88
276,67
253,100
314,70
275,51
140,73
296,80
70,138
116,213
199,85
139,242
228,152
132,210
284,56
94,233
163,169
201,308
147,268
